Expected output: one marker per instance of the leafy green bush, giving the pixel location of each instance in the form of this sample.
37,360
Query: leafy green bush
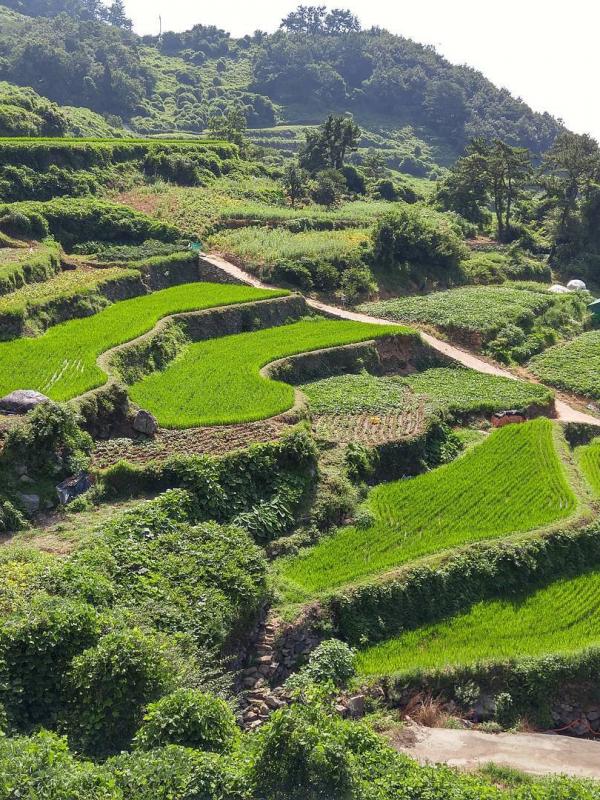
332,661
36,647
50,441
176,773
109,686
357,284
188,718
421,244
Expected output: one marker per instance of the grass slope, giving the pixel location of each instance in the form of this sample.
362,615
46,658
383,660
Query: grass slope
562,617
218,381
62,362
513,481
573,365
588,458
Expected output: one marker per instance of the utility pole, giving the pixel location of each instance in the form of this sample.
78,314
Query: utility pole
159,28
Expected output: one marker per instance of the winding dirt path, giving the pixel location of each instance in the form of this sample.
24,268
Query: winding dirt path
564,411
534,753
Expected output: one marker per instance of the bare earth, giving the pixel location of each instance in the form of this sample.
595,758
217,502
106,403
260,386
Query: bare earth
534,753
564,412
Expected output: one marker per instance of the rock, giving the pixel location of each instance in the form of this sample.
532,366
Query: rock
144,422
21,401
30,502
356,705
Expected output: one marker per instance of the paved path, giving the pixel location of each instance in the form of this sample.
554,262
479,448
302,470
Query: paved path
535,753
564,412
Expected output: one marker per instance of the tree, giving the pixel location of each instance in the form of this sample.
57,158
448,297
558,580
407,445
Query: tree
328,188
116,15
445,105
230,126
569,172
294,183
374,165
340,21
328,145
466,188
508,169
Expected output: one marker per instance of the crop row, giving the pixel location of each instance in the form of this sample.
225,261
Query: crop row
62,362
560,618
588,458
512,482
482,309
218,381
574,365
460,391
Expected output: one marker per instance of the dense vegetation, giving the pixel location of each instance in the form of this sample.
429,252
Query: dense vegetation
459,503
573,365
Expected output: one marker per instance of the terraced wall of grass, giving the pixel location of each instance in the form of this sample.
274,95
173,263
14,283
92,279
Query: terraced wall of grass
219,381
62,362
514,481
588,458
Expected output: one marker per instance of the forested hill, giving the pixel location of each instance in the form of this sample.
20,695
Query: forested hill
82,53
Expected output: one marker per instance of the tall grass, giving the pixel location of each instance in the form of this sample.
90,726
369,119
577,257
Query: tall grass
513,481
562,617
62,362
588,458
218,381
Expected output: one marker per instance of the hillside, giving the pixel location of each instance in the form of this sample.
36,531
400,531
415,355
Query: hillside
412,103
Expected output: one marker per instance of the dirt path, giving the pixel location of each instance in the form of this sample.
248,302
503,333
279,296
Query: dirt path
535,753
564,412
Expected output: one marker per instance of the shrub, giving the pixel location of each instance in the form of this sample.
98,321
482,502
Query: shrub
331,661
110,684
50,441
42,767
11,519
188,718
504,711
21,225
37,646
328,187
358,284
302,755
418,242
355,180
176,773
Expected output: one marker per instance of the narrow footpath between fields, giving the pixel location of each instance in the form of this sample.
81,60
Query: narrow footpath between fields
534,753
564,412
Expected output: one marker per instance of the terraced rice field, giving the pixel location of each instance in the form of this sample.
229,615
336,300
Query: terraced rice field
588,458
217,382
574,365
560,618
62,362
514,481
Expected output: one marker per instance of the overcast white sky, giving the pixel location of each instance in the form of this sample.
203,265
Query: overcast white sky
545,51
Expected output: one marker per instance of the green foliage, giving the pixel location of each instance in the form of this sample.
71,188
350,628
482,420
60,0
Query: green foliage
228,369
188,718
573,365
327,147
42,767
21,267
50,442
62,362
421,246
110,684
331,662
454,496
357,284
81,220
176,772
36,647
24,113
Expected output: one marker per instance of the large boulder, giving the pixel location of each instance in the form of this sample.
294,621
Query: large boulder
145,423
21,401
29,502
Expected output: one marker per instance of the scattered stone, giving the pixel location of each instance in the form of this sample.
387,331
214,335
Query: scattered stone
22,401
30,502
356,706
145,422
